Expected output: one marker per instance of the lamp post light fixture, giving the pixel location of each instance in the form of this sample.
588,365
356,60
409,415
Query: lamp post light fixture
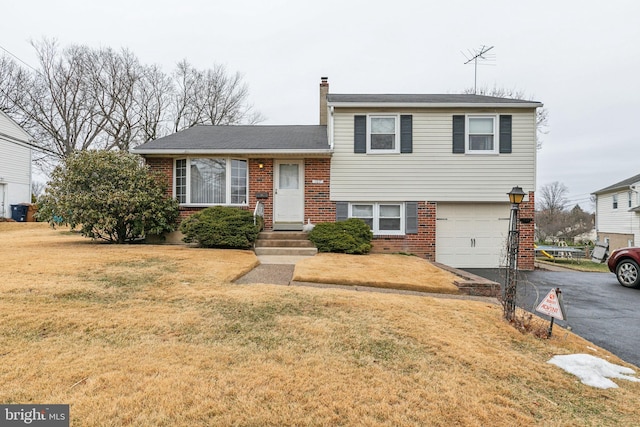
516,195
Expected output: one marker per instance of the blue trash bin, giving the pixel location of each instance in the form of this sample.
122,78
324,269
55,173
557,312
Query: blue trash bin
19,212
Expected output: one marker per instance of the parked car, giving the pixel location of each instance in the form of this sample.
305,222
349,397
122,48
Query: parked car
625,263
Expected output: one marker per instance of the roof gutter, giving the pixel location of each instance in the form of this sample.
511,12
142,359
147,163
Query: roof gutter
170,151
435,104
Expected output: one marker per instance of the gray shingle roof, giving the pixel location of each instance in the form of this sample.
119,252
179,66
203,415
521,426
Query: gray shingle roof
241,139
624,184
425,99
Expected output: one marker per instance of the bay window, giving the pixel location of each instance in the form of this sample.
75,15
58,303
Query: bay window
210,181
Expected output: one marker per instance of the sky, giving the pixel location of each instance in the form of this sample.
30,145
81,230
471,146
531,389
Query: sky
581,59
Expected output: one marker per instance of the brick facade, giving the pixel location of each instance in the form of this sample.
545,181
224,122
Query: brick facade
318,208
422,244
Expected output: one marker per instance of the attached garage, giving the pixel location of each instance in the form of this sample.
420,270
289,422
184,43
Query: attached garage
472,235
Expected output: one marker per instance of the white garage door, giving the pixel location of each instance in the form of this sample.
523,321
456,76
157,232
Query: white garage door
472,235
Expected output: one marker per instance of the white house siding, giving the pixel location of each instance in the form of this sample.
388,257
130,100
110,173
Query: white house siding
432,172
15,166
620,220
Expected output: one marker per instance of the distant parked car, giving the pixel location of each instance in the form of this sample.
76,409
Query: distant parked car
625,263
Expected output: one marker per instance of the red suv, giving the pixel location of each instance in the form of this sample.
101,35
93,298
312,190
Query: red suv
625,264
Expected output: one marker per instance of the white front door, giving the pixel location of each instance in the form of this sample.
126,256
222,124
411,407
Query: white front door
288,210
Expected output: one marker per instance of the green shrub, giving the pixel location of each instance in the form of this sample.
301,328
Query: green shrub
221,227
352,236
110,195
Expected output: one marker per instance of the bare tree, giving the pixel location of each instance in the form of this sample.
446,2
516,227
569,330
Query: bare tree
211,97
154,101
37,188
542,114
552,217
83,98
552,197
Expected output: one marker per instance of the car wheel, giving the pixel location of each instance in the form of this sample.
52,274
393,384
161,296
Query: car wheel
628,273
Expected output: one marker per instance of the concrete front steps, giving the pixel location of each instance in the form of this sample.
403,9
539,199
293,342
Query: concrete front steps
291,243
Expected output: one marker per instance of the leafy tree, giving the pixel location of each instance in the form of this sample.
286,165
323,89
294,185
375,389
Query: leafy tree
110,195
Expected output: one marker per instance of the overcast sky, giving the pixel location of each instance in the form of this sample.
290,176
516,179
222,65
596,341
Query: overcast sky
580,58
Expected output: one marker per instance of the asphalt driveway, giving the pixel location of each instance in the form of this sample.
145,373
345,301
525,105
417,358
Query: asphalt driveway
597,307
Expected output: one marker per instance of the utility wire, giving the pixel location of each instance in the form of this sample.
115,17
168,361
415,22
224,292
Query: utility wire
16,57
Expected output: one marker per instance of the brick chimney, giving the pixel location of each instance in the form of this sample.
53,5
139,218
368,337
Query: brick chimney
324,90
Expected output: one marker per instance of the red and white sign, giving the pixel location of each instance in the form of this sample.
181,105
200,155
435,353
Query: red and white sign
551,306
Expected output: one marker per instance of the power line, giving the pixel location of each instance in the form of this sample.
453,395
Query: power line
16,57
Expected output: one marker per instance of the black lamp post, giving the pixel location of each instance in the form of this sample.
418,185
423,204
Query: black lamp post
516,195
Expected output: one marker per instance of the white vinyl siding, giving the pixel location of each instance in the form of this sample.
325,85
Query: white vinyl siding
15,165
618,221
432,172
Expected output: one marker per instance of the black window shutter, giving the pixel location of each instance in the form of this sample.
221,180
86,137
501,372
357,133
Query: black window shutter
342,211
505,134
411,218
458,134
406,134
360,134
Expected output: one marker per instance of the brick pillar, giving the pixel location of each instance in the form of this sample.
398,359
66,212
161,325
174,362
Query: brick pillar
526,253
261,181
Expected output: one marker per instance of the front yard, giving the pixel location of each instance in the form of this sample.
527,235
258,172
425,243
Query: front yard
158,335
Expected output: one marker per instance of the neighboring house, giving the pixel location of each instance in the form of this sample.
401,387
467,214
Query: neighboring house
618,213
15,165
429,173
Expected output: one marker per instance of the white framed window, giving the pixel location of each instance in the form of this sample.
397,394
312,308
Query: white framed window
382,217
384,134
210,181
481,134
615,201
630,199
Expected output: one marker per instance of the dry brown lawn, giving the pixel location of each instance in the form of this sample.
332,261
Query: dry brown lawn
159,336
380,271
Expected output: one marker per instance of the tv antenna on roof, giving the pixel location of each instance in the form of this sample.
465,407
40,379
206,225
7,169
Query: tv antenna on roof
473,56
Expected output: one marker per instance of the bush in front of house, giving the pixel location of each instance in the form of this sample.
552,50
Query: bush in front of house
109,195
352,236
221,227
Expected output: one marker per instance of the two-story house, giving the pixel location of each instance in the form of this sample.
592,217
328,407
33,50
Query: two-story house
15,165
618,213
428,173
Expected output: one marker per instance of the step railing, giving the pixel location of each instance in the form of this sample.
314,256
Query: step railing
258,212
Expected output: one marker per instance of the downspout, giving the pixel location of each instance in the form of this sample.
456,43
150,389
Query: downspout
330,127
634,188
